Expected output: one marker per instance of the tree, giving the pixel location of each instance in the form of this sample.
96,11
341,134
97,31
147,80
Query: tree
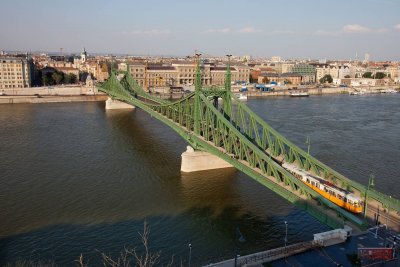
367,74
146,259
326,79
57,77
347,76
67,79
45,80
379,75
72,78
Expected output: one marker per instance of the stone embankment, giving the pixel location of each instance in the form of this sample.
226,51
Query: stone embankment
51,99
319,91
50,94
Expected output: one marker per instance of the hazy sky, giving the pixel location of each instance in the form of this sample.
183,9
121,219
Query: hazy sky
288,28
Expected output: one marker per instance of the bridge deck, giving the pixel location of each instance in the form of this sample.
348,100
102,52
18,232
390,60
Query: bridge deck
242,138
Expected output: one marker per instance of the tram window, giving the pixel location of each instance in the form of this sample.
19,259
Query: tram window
312,183
308,180
326,190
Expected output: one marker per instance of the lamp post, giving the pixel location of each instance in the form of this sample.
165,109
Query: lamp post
308,142
238,237
190,254
370,183
286,224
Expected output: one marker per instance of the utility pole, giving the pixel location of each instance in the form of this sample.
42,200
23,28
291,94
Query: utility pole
238,238
370,183
286,224
308,145
190,254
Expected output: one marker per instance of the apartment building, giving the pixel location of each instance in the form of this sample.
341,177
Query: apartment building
14,73
336,72
305,70
182,73
284,78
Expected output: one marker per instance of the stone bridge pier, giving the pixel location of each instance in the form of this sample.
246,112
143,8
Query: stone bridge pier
116,104
193,161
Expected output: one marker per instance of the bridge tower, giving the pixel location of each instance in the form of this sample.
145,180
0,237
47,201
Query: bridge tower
197,86
228,83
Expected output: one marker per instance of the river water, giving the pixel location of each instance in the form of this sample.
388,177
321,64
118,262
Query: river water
76,179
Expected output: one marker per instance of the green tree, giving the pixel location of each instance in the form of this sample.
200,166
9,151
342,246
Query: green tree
379,75
347,76
67,79
57,77
326,79
45,80
367,74
72,78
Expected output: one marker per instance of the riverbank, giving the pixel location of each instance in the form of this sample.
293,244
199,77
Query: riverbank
51,94
318,91
51,99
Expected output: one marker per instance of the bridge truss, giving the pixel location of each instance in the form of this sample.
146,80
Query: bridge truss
233,132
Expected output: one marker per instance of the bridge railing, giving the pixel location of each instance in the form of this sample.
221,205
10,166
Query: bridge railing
222,137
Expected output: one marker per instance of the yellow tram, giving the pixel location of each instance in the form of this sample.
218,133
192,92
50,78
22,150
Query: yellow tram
340,197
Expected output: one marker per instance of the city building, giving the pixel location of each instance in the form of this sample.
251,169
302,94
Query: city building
276,59
305,70
336,72
15,72
183,73
280,79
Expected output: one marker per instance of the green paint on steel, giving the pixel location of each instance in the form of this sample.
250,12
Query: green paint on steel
240,137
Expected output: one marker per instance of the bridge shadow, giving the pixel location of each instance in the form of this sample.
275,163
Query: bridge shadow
153,141
212,237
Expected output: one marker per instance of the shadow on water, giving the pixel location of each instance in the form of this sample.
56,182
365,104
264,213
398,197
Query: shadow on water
98,178
212,238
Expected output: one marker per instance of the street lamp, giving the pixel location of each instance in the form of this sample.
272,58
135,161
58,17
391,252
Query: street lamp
308,142
286,224
370,183
238,237
229,58
190,254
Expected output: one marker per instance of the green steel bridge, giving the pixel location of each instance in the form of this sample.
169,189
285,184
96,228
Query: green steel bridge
234,133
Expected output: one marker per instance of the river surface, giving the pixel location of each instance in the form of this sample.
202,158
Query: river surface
76,179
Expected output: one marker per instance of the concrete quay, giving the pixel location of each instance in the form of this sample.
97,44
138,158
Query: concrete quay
51,94
58,90
51,99
317,91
